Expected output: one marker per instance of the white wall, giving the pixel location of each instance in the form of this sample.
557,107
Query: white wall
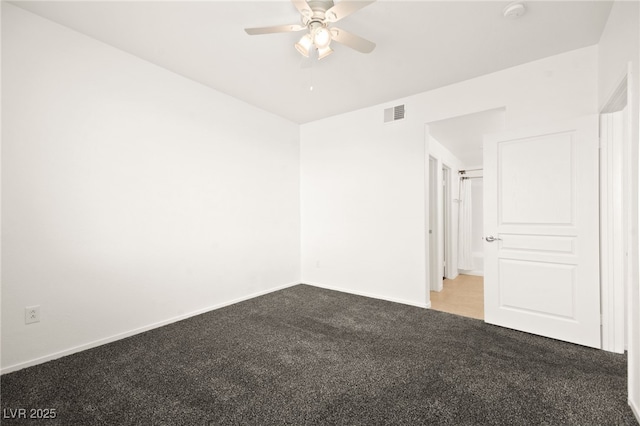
363,181
363,204
131,196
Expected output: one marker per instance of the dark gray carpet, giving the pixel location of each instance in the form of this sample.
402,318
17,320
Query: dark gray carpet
311,356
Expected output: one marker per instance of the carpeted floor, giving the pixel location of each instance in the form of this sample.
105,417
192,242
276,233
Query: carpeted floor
305,355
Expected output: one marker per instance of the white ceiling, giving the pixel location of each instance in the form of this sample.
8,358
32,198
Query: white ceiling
421,45
464,135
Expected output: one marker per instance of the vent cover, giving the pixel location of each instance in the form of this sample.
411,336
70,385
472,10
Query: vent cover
394,114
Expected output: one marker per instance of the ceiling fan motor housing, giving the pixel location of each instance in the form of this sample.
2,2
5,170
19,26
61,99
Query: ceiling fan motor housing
318,12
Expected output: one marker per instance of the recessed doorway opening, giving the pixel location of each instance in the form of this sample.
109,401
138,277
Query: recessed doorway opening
455,162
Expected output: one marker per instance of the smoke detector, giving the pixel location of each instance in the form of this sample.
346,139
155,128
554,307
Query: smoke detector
514,10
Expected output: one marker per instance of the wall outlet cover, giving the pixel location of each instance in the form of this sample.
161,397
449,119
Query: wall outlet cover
31,314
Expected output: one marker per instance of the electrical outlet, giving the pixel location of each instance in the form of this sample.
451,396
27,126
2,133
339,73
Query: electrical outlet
31,314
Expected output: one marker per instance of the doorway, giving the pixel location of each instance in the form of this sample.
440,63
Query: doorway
440,251
471,223
455,145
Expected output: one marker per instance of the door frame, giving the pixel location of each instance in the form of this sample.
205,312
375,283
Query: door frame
441,244
433,225
615,215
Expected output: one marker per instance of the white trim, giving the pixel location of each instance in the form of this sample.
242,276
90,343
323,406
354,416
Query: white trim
474,272
371,295
616,273
435,255
138,330
635,409
633,288
613,229
618,99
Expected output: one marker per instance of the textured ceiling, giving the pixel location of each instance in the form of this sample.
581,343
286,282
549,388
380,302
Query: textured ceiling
421,45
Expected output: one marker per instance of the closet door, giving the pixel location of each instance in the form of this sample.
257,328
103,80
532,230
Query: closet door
541,212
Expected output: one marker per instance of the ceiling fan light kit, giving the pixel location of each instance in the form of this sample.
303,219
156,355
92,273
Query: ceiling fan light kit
304,45
316,16
324,52
321,38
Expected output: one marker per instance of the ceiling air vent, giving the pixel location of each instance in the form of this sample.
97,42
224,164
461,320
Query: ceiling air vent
393,114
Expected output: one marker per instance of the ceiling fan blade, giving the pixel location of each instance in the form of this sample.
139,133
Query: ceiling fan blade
351,40
303,7
345,8
274,29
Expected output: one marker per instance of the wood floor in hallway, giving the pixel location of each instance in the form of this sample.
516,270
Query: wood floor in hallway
463,296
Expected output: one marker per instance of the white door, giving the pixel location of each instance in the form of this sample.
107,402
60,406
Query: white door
541,206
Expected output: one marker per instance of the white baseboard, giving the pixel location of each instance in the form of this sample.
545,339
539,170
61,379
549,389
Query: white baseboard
474,272
371,295
635,409
135,331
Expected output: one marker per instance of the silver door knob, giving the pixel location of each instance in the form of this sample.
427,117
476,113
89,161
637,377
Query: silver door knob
491,238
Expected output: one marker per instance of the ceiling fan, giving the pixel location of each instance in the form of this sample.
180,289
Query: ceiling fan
317,15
